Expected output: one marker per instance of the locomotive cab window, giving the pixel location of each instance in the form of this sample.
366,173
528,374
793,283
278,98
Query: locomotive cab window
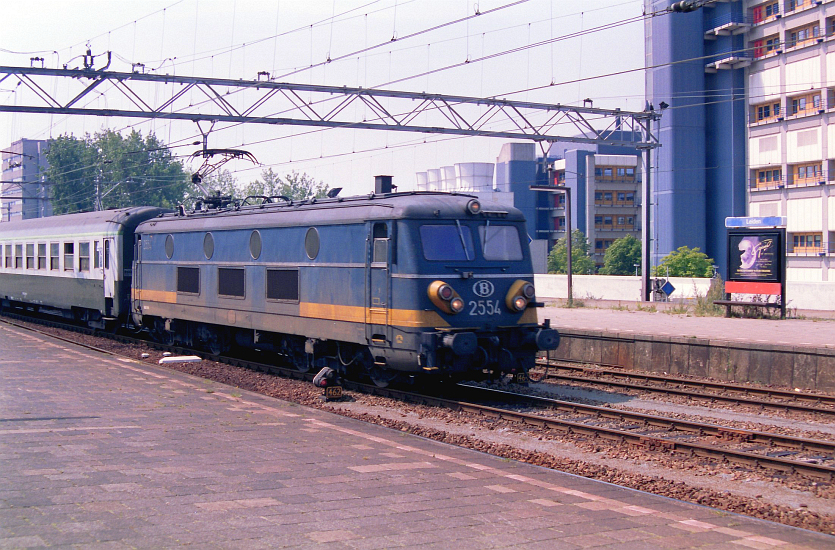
69,256
500,242
447,242
231,282
188,280
380,253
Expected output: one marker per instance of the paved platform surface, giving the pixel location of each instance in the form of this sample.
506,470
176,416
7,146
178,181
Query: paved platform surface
790,332
100,452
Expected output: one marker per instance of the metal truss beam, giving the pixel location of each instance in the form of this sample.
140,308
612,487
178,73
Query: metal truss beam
137,95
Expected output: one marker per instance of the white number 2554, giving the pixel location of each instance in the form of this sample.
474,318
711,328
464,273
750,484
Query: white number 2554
484,307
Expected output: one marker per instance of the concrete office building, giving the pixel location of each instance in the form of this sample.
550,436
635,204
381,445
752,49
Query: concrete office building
749,85
23,192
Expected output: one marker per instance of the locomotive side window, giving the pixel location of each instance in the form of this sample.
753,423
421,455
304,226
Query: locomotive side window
231,282
8,255
41,255
311,243
30,256
18,256
255,245
283,284
69,256
188,280
208,246
447,242
54,255
169,246
84,256
500,242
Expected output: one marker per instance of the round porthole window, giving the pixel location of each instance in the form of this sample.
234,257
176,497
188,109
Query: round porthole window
208,246
255,245
169,246
311,243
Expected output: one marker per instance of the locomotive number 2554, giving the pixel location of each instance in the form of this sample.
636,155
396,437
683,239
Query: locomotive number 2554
484,307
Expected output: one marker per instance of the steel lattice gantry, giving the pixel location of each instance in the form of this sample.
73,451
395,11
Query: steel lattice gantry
266,102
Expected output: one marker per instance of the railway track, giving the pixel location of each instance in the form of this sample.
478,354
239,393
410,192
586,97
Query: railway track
471,399
792,401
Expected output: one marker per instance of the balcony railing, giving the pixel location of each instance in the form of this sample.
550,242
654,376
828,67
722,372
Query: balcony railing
811,250
789,181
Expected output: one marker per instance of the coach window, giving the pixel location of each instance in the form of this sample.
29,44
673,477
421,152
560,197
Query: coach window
8,248
30,256
84,256
69,256
96,255
18,256
41,255
54,255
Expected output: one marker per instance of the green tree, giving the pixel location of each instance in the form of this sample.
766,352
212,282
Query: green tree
581,262
295,186
686,262
621,257
127,171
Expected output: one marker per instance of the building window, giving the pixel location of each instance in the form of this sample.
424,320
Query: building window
806,243
768,177
806,104
559,223
30,256
559,200
69,256
806,174
792,5
54,255
42,256
803,36
766,11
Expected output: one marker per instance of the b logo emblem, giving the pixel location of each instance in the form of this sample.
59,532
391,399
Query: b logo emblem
483,288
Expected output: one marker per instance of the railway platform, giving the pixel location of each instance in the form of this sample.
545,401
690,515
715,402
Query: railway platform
790,353
105,452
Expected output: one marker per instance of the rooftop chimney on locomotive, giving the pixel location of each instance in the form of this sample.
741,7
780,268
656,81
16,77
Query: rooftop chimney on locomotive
382,184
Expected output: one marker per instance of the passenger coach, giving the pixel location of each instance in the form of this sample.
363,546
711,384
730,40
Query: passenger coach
77,263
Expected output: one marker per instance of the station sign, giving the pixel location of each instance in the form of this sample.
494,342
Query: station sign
757,221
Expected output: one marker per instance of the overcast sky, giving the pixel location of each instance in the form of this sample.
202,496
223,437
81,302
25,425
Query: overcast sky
238,38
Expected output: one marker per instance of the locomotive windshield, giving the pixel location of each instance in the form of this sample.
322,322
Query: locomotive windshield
447,242
500,242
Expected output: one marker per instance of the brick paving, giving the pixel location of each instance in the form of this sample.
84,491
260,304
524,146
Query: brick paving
102,452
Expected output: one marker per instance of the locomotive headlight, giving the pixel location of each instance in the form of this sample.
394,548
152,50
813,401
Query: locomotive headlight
445,292
444,297
521,293
474,207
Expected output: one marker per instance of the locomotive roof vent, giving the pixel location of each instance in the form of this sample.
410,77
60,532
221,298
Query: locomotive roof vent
382,184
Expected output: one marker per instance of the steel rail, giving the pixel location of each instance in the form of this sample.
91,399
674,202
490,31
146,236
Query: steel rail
565,426
797,407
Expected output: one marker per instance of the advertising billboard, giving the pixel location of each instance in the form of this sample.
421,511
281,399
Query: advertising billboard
756,255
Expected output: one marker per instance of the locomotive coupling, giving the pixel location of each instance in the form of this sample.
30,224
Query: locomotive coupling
461,343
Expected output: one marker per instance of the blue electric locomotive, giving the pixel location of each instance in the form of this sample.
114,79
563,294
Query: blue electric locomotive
378,285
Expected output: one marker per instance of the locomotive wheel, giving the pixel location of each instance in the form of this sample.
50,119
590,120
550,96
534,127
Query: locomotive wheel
381,377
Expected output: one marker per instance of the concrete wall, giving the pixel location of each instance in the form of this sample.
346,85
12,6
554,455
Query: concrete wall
784,366
802,295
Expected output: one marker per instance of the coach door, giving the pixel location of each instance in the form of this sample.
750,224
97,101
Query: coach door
109,270
379,254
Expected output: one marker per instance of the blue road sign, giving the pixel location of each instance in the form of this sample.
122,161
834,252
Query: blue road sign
668,288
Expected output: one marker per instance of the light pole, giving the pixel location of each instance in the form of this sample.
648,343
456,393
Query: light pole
636,268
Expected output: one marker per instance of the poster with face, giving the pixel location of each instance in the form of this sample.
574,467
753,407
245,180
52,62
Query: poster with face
754,256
